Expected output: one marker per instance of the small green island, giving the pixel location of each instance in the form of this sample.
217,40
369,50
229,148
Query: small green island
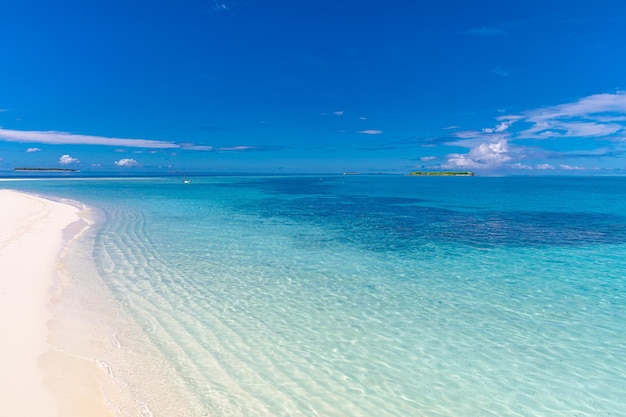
26,169
440,174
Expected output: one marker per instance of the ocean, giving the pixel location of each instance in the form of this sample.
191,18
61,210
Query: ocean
352,295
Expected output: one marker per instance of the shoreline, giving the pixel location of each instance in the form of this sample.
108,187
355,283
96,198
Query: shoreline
70,348
34,234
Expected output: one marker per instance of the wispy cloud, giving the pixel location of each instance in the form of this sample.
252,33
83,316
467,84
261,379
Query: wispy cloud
194,147
565,167
545,167
127,162
66,160
595,153
520,166
338,113
598,115
250,148
221,6
486,31
64,138
500,72
370,132
240,148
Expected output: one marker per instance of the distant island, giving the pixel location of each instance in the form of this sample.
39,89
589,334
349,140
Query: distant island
441,173
45,170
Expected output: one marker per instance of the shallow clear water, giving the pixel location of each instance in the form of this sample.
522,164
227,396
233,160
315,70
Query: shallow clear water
372,296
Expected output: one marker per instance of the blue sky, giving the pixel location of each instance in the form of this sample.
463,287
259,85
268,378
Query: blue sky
496,87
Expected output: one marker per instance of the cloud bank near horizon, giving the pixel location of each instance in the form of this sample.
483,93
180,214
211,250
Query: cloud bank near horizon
595,117
516,141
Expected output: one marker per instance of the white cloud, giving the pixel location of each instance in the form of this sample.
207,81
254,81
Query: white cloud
545,167
428,158
370,132
64,138
66,160
484,156
500,127
338,113
521,166
503,126
571,168
30,150
127,162
362,118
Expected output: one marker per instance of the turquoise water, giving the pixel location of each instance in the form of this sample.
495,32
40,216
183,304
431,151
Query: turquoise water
370,295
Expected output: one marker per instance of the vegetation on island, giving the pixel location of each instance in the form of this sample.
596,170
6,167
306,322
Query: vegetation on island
442,173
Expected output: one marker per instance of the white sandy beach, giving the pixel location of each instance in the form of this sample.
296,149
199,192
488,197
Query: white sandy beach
60,331
32,232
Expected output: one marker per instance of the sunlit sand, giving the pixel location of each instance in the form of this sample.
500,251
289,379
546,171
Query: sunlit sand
36,380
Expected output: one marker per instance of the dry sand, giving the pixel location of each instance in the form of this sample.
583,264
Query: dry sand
32,234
